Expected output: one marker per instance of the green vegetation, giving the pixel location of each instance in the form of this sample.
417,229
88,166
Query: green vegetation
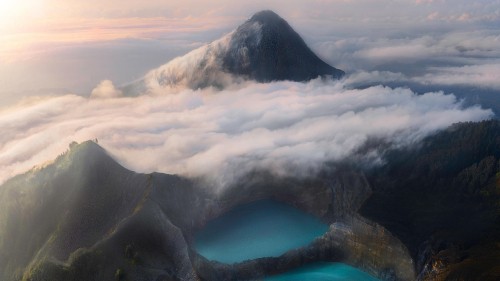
51,217
131,254
119,274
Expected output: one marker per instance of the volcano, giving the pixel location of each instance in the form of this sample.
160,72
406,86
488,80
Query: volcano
265,48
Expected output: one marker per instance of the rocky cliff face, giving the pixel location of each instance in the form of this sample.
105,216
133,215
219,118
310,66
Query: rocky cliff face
102,222
371,247
442,200
350,239
84,217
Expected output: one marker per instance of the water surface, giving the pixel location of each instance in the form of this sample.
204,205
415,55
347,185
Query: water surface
324,272
265,228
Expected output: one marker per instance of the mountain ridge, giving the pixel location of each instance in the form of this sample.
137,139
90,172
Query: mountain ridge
85,217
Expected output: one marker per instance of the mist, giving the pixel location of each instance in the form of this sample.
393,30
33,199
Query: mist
288,128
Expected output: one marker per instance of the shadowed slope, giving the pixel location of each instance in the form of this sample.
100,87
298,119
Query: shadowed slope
264,48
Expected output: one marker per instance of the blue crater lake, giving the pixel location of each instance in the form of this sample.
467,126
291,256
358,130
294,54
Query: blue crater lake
265,228
324,272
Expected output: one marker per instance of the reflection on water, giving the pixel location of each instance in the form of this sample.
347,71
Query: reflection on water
324,272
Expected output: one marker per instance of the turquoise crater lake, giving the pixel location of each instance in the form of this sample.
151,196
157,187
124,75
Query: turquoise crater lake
324,272
265,228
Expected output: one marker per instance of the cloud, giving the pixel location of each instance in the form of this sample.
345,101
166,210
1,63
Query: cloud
363,78
199,68
286,127
483,76
412,53
105,90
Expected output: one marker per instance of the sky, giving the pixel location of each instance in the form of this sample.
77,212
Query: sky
56,47
414,67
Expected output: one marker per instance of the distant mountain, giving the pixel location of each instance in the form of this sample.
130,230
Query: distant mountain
265,48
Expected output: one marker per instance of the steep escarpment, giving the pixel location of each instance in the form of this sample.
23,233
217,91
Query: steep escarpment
85,217
443,201
352,240
67,205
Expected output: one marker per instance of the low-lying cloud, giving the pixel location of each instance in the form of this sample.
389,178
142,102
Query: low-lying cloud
412,54
483,76
284,127
105,90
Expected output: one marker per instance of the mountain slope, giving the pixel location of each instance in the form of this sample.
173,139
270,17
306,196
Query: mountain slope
85,217
264,48
443,201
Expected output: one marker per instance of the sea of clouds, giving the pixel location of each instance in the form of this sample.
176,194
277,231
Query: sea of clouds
288,128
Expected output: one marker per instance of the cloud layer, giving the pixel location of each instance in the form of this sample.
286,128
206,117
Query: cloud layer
285,127
105,90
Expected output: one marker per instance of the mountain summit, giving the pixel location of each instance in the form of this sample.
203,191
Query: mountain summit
264,48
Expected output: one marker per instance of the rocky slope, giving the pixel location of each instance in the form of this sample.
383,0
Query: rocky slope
443,201
85,217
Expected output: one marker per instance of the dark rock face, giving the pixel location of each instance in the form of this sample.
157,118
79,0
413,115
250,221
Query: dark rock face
336,199
443,201
266,48
85,217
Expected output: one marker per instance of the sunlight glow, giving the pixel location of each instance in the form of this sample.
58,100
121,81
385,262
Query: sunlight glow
19,12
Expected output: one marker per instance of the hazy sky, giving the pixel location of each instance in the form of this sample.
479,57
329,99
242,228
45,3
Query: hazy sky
60,46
